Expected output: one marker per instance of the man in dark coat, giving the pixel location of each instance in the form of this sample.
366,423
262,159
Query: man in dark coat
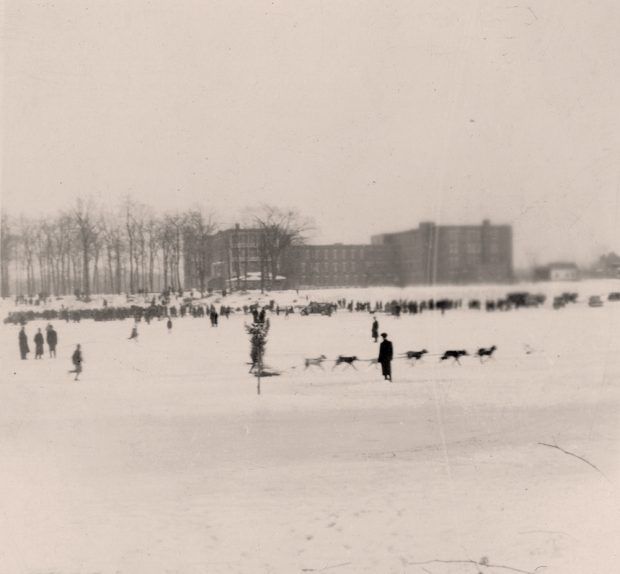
386,353
38,345
52,340
213,317
24,349
375,329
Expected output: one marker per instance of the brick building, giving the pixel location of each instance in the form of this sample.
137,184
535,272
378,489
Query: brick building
428,254
234,260
339,265
452,253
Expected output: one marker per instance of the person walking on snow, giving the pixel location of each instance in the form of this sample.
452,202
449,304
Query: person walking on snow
375,329
386,353
77,361
134,334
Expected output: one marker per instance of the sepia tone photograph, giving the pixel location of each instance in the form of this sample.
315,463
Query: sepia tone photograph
306,286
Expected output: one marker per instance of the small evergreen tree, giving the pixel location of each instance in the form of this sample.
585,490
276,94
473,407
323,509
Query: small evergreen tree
258,341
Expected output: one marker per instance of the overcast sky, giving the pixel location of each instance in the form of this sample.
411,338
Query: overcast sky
369,116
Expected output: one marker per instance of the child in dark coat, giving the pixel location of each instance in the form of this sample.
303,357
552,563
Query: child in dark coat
77,361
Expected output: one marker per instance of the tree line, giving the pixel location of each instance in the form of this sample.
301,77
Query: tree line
129,248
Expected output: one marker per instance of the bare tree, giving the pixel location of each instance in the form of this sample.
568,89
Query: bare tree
87,228
198,229
42,251
63,232
171,241
130,209
280,230
27,244
7,253
152,247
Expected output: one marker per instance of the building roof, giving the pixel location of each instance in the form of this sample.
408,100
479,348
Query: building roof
422,224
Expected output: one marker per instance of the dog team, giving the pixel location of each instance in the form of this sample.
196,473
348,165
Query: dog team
386,355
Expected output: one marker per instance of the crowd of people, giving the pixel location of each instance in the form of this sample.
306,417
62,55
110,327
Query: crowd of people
165,307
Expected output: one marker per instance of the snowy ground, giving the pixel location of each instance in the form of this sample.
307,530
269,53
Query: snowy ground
164,459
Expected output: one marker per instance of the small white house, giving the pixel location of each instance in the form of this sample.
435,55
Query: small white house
563,272
557,272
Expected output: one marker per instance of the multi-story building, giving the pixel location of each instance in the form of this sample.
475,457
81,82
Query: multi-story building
339,265
452,253
234,260
428,254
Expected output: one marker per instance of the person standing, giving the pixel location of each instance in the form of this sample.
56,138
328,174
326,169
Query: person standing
375,329
386,353
24,349
169,325
77,361
52,340
38,345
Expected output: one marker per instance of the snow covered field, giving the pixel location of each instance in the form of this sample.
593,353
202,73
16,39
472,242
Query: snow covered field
163,459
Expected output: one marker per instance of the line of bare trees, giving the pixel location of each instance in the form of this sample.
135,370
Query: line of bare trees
127,249
88,249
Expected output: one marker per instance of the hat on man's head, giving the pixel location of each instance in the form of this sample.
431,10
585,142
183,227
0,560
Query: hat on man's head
384,334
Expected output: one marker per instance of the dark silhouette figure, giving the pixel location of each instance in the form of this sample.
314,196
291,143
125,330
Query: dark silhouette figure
24,349
169,325
375,329
52,340
77,361
213,316
134,334
38,345
386,353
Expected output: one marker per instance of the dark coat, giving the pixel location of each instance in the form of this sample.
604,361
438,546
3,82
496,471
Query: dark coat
386,351
52,338
38,341
77,358
23,342
375,328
